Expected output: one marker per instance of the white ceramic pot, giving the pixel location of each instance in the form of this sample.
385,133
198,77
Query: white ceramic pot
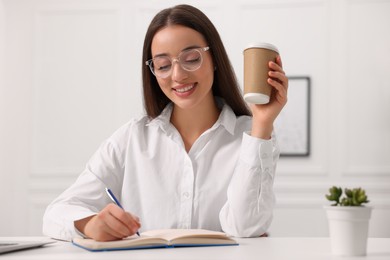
348,229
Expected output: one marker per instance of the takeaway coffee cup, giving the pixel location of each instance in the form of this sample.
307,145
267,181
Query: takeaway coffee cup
256,58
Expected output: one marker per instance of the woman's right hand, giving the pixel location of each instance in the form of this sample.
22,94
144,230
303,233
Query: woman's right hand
112,223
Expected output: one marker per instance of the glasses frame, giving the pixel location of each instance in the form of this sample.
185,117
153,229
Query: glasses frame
177,59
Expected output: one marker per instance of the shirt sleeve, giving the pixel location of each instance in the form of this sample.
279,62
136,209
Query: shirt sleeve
250,196
86,196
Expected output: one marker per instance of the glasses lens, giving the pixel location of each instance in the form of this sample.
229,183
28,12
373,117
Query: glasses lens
161,66
191,60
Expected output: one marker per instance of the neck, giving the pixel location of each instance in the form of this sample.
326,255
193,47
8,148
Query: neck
192,122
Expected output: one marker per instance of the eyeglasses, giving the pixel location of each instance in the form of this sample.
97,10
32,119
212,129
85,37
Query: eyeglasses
189,60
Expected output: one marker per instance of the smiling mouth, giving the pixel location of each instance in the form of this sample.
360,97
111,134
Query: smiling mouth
185,89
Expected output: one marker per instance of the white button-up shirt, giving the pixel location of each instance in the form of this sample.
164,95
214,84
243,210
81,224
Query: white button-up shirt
225,182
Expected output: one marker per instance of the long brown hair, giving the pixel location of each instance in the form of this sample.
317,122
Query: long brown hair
225,83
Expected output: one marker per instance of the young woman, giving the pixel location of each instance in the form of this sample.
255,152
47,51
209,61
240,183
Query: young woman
199,158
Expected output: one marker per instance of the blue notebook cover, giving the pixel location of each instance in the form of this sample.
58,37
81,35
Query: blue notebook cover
151,247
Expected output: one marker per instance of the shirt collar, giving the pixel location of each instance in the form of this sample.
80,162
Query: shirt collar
227,118
163,120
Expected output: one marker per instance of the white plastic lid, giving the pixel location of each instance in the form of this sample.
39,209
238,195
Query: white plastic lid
263,45
256,98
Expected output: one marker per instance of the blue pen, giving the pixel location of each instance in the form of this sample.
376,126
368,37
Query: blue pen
114,199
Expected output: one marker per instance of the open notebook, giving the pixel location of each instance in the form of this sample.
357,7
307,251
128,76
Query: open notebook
160,238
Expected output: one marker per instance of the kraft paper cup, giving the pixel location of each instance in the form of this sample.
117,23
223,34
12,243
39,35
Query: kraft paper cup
256,58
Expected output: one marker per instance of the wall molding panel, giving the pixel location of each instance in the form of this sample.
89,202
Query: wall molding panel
366,146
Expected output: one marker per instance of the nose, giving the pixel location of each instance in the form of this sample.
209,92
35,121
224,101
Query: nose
178,73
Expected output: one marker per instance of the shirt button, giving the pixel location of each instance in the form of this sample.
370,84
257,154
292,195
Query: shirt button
264,155
186,194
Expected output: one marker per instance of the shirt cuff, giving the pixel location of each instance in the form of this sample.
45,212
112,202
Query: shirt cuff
255,150
79,233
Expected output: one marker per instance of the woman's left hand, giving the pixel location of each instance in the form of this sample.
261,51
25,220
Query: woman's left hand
265,115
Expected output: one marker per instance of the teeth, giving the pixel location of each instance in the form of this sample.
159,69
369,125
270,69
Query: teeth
185,89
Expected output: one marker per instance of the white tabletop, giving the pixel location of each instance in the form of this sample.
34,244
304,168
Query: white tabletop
249,248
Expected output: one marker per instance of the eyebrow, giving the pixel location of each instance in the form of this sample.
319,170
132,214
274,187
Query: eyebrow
185,49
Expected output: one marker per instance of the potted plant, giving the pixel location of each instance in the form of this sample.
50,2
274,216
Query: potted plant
348,221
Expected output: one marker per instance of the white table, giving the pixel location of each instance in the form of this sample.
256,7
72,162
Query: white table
249,248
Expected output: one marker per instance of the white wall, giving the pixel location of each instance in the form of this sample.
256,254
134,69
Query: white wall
71,76
4,218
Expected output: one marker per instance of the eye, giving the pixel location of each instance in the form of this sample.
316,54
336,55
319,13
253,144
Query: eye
162,64
163,68
192,60
192,56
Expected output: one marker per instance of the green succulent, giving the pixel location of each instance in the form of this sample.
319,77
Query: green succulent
335,194
353,197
